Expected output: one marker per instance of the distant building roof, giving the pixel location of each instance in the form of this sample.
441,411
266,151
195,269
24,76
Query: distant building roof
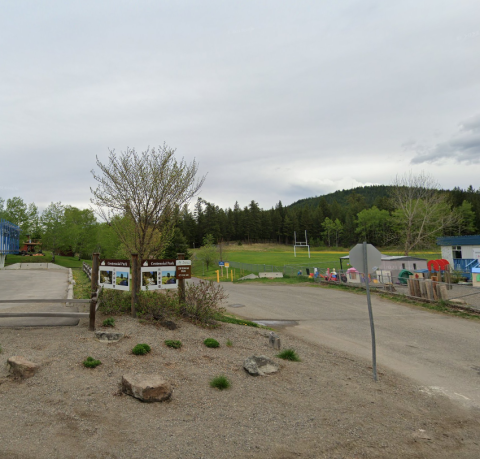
392,257
459,240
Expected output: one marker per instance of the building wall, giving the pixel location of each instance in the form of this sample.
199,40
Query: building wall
447,253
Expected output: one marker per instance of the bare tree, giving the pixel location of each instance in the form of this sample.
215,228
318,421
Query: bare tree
138,194
422,212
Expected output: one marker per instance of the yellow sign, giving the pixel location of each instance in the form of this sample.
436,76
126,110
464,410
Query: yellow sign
227,265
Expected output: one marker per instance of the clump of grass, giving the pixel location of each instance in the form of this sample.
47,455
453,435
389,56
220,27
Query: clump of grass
173,343
210,342
141,349
289,354
233,320
229,343
220,382
90,362
110,322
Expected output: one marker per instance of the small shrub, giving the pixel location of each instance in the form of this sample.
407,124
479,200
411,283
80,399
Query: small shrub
90,362
220,382
114,301
289,354
202,301
173,343
110,322
229,343
210,342
141,349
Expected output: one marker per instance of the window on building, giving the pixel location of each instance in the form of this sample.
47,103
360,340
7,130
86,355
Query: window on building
457,252
403,265
414,266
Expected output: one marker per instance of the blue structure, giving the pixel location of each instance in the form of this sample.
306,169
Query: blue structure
9,239
462,252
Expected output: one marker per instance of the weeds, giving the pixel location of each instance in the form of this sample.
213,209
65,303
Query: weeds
141,349
90,362
110,322
210,342
229,343
220,382
289,354
175,344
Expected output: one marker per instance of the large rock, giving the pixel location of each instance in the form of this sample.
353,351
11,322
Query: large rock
147,388
108,337
20,366
260,365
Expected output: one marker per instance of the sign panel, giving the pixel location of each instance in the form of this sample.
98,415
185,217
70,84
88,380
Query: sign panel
184,262
374,258
158,274
221,263
227,264
114,274
184,272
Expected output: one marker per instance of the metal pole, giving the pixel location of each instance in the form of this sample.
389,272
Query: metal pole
93,294
134,283
370,313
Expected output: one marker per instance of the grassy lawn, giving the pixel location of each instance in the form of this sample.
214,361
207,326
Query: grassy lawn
279,255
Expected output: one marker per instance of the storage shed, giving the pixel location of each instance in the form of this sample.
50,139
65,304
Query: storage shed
392,265
462,252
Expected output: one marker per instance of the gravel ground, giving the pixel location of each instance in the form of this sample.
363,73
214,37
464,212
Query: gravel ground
326,406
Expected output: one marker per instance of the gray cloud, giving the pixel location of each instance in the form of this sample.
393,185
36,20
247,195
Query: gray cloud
463,147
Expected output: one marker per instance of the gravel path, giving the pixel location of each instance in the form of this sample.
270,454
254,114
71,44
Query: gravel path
326,406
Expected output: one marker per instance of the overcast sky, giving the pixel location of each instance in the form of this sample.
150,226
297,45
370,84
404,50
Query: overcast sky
276,100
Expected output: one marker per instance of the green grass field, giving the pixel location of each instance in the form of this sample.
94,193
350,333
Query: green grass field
280,255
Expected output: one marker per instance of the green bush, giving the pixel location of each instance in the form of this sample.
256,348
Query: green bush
210,342
110,322
220,382
141,349
158,303
173,343
114,302
90,362
289,354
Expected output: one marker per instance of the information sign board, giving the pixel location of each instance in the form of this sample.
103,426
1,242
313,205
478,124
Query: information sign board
158,274
227,264
184,272
114,274
221,263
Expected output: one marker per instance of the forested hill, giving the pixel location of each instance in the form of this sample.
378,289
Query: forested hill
371,195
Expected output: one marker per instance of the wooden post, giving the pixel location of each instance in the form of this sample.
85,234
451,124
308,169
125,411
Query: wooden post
416,286
93,295
181,287
429,286
423,288
134,284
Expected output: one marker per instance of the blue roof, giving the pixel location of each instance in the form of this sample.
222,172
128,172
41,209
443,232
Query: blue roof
459,240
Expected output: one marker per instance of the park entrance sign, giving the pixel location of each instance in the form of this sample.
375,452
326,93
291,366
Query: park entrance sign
159,274
114,274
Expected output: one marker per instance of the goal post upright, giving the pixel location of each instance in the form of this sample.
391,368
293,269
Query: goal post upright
300,244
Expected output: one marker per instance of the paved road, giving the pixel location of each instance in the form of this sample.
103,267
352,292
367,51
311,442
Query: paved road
36,283
439,351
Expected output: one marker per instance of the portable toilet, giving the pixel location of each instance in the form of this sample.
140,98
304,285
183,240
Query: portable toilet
476,277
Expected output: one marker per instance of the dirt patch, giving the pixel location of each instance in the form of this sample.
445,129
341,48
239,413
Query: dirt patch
327,405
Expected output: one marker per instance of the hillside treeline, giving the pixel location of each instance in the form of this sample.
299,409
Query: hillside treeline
364,213
368,213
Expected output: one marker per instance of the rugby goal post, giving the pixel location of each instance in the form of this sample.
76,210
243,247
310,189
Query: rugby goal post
300,244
